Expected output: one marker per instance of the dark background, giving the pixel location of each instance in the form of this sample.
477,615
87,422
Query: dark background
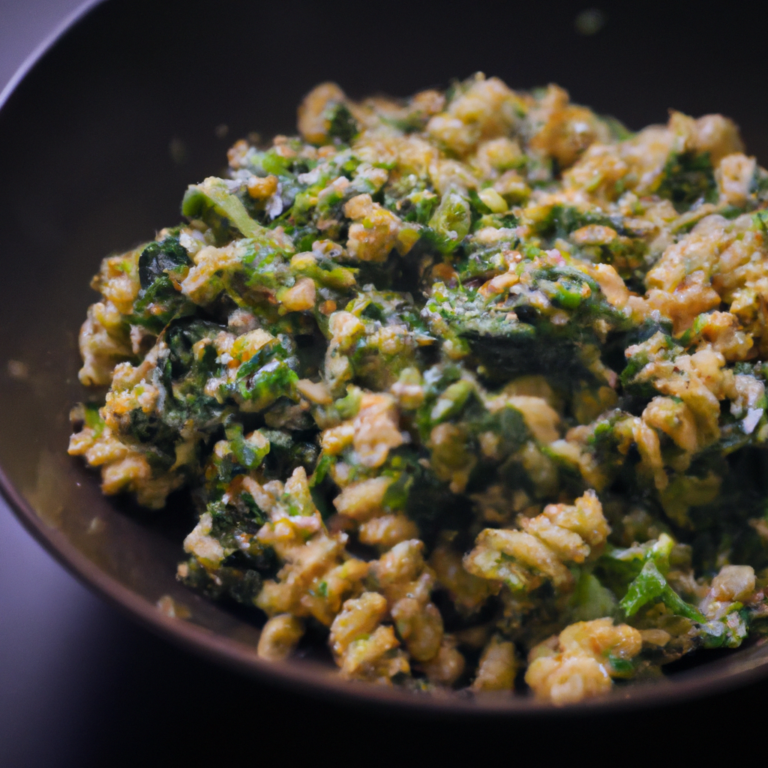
80,684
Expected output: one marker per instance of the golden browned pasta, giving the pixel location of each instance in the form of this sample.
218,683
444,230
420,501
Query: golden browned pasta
457,381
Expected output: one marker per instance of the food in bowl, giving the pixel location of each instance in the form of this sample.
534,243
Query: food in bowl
469,387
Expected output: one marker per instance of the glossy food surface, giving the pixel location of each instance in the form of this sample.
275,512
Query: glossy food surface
451,380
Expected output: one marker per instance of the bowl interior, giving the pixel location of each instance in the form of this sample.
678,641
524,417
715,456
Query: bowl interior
139,99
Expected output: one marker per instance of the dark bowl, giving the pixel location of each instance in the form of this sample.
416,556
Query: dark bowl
136,100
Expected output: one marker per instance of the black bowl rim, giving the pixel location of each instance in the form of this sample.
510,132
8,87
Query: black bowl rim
311,679
45,45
